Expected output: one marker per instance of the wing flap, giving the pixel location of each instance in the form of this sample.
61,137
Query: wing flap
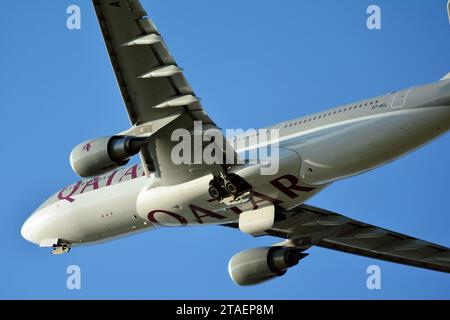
425,263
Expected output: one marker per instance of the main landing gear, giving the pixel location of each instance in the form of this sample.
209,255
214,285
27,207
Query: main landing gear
229,186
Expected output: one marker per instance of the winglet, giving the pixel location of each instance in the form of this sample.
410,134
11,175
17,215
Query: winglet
447,77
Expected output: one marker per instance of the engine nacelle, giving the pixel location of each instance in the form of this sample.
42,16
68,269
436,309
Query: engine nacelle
95,157
257,265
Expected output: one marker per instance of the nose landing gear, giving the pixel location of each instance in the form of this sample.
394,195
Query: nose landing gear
61,247
229,186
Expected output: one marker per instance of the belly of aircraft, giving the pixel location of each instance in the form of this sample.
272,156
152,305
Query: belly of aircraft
143,203
190,204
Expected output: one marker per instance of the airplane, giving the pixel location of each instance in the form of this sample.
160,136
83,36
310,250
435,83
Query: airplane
112,199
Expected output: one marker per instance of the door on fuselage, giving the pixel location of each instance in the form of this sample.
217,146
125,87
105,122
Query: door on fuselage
399,99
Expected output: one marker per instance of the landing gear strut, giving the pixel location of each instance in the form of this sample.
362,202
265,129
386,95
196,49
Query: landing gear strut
228,185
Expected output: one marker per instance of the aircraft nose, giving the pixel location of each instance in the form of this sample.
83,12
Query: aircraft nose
35,227
28,230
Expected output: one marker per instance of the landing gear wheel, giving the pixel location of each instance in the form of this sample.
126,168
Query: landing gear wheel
214,192
231,188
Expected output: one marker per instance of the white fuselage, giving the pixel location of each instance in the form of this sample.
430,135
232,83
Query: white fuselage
314,152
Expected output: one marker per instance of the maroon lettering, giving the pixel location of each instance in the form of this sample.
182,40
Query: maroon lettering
132,171
287,189
151,216
111,177
263,198
195,210
68,197
91,183
235,210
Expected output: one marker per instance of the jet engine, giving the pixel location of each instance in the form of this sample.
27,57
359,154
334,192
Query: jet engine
95,157
258,265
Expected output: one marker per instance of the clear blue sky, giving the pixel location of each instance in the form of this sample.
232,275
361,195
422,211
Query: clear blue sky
253,63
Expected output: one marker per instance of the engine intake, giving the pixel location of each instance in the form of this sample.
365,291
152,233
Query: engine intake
95,157
258,265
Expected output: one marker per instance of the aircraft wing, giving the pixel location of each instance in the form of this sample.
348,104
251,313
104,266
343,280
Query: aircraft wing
156,94
306,226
